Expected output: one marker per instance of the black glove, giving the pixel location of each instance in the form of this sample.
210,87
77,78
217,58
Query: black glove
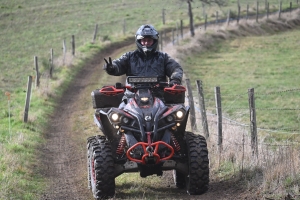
108,66
175,82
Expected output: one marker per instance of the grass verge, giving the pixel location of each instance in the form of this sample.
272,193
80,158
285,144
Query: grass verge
260,56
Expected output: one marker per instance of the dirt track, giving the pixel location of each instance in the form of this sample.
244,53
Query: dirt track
64,156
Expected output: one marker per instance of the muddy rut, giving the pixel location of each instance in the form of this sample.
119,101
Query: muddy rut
63,158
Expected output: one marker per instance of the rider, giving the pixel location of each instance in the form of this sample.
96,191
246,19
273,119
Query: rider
146,60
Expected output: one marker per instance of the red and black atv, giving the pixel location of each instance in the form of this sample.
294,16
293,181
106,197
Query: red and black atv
145,135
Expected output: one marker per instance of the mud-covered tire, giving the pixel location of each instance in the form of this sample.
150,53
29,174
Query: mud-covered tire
198,179
101,168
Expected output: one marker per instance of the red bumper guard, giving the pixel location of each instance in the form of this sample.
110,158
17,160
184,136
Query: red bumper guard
148,153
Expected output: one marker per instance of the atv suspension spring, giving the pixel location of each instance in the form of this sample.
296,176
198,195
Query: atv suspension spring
121,145
175,143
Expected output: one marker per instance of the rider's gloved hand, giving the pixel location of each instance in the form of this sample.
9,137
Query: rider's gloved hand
175,82
108,66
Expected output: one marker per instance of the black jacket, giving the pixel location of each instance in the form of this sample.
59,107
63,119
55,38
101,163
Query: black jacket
135,63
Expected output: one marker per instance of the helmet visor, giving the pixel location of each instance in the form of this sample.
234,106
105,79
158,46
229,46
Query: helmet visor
139,37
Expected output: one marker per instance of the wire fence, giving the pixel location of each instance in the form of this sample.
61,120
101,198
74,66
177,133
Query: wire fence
234,144
241,113
268,161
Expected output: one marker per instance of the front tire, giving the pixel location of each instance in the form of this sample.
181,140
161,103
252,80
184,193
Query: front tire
198,179
101,168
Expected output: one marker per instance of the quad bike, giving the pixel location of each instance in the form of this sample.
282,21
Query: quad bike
145,135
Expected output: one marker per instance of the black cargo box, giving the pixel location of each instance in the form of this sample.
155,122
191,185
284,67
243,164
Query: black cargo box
174,94
106,97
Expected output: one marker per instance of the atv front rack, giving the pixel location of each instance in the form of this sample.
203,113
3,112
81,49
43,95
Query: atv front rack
150,151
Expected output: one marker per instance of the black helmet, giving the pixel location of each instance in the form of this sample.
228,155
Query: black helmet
143,32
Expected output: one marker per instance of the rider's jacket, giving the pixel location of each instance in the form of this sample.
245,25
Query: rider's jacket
136,63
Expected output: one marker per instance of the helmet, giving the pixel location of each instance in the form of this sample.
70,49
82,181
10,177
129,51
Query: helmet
143,32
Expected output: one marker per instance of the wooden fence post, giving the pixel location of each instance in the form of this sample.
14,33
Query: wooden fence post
173,37
161,41
191,19
9,115
51,64
37,80
247,13
228,17
205,23
253,126
291,7
177,33
27,101
64,51
280,7
268,8
181,28
257,11
266,4
163,16
219,116
95,33
239,13
203,10
191,104
202,109
73,45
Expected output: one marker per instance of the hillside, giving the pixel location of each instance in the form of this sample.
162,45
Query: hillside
47,154
63,156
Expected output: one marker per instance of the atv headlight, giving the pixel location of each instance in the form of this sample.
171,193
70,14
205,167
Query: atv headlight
115,116
179,114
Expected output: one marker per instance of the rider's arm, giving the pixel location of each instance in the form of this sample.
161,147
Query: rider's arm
121,65
173,69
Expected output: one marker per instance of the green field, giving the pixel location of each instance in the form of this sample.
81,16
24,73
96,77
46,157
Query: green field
269,64
31,28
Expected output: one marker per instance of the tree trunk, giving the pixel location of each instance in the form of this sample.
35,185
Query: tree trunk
191,18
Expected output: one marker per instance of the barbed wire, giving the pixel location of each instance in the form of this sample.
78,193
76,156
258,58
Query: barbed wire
271,109
287,130
226,95
208,101
277,109
256,93
246,143
236,123
277,92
